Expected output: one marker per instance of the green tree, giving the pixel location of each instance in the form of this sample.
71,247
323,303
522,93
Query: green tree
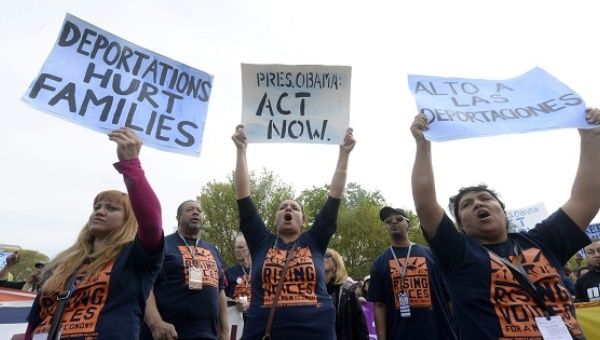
220,208
359,236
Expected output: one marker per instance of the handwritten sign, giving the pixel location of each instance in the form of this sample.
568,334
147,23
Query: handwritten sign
4,255
295,104
593,232
98,80
236,323
523,219
460,108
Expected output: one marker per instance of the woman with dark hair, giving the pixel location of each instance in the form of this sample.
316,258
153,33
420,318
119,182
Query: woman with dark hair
97,288
507,285
287,267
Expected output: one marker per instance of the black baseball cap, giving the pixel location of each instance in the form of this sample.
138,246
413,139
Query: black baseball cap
386,212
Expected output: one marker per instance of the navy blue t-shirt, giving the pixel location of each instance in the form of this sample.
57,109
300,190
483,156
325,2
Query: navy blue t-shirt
487,300
238,282
193,312
430,317
107,305
304,309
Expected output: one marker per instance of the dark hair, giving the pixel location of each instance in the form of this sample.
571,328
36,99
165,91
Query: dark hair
180,207
453,205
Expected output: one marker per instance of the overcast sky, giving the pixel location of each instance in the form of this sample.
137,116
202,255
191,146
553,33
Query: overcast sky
51,169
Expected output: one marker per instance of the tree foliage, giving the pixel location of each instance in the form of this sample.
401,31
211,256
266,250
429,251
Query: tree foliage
26,265
220,207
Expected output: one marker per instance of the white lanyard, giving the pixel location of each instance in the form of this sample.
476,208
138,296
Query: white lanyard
246,279
400,265
190,249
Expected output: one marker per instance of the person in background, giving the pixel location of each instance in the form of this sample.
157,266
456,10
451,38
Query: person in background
583,270
106,275
406,288
34,282
587,287
506,285
350,321
188,299
365,286
238,276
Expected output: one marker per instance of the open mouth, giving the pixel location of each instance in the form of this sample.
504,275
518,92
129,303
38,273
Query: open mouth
483,214
287,217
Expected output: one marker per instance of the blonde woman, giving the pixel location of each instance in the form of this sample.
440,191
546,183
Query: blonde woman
106,276
350,322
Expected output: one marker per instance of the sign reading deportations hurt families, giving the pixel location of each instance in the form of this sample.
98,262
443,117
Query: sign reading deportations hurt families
98,80
461,108
295,103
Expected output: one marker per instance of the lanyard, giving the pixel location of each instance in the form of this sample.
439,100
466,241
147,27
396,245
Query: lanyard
190,249
524,280
294,245
246,275
400,265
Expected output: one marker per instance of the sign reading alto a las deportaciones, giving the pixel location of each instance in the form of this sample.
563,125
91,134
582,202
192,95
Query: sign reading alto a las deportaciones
295,103
463,108
98,80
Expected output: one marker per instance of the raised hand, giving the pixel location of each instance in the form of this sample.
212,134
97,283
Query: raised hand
239,137
128,143
348,142
592,116
418,127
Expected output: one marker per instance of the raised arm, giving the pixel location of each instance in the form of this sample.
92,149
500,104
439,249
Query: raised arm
423,182
584,203
338,182
242,178
144,202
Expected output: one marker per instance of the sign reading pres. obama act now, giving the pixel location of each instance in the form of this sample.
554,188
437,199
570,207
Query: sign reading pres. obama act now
295,103
98,80
460,108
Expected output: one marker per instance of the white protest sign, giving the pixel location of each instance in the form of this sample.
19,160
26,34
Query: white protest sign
295,103
525,218
98,80
461,108
3,258
236,322
593,232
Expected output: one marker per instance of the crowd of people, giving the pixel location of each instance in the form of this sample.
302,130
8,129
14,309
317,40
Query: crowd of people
123,279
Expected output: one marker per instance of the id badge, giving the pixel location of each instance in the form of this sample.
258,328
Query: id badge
40,336
553,329
196,276
404,304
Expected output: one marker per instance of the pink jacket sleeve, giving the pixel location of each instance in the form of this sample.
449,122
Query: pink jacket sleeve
145,204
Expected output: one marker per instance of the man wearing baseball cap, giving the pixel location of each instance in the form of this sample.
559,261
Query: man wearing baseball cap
406,287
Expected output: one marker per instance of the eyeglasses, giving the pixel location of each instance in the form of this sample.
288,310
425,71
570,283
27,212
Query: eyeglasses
395,218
